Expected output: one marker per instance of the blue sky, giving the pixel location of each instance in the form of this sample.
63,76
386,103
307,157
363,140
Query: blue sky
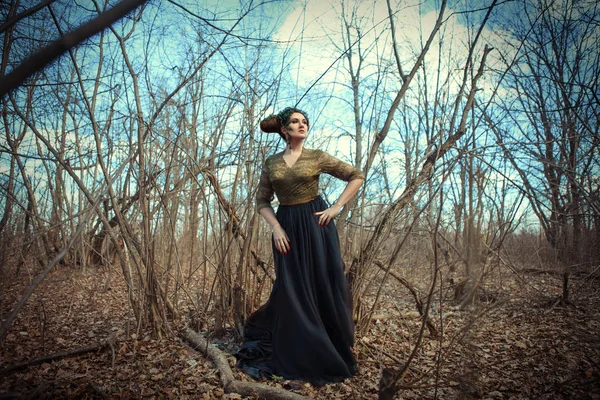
303,40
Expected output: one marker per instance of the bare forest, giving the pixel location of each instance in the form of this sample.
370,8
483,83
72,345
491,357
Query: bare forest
131,251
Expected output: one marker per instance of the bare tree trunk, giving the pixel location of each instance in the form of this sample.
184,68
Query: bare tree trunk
423,176
356,271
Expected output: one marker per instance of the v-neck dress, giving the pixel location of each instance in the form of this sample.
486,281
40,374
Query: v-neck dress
305,330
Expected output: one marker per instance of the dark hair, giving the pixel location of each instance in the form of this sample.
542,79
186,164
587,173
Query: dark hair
274,123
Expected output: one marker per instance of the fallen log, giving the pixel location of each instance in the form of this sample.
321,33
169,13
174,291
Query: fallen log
108,342
230,384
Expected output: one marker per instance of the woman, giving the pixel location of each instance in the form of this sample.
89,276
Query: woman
305,330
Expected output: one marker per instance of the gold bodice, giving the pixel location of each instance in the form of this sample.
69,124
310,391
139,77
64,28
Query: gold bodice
300,182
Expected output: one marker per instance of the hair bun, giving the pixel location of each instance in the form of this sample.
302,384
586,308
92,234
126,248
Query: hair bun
271,124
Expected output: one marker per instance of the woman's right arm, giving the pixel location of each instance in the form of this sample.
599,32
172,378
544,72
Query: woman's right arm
282,241
264,196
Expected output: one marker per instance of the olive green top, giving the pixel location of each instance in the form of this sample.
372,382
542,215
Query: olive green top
300,182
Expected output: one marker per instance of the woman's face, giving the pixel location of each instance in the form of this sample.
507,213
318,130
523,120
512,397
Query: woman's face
297,128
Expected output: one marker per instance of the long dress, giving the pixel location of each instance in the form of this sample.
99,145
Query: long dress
305,329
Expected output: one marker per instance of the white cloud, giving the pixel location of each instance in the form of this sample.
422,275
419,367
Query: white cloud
313,34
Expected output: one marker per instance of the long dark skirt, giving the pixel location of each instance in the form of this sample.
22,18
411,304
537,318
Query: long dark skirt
305,330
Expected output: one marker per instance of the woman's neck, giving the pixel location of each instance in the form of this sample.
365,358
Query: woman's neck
293,148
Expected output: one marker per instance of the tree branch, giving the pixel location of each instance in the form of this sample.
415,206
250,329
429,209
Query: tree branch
25,14
48,54
108,342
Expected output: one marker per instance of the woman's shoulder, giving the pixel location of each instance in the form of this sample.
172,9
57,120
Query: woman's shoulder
312,152
274,156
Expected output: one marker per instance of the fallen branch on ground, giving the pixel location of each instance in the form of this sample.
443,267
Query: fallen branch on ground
230,384
379,350
418,302
108,342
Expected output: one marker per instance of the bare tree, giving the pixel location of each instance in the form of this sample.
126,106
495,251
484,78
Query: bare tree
553,141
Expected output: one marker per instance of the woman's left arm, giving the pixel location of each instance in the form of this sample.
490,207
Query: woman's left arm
349,192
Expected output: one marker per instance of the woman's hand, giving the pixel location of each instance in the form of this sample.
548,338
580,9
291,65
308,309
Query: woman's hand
327,215
282,241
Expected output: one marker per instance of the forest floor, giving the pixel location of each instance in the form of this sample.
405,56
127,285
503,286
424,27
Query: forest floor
522,345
